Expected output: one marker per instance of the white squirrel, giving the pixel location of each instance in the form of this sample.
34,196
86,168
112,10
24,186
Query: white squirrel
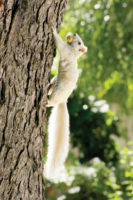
60,89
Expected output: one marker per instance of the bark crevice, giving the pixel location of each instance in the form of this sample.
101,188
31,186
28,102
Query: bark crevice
28,76
14,10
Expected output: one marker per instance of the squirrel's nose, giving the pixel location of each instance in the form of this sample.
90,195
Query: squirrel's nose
84,50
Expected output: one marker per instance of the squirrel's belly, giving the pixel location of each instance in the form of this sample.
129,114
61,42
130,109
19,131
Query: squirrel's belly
68,84
63,90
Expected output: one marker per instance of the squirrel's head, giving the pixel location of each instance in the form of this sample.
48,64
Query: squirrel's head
77,44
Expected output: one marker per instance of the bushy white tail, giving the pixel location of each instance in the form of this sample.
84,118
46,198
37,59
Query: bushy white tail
58,139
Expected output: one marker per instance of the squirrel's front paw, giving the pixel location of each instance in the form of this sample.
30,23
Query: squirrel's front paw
54,30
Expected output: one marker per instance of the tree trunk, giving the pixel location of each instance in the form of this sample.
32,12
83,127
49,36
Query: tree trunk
26,55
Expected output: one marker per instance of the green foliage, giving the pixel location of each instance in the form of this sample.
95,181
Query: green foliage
92,128
125,172
96,181
106,29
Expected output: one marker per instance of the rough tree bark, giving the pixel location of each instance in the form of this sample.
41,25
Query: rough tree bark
26,55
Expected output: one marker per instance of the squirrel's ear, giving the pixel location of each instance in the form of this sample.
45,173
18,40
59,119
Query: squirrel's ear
69,38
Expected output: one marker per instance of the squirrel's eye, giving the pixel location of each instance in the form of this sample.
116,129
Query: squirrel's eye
79,43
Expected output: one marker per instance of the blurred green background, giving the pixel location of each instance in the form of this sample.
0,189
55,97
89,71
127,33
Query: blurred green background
99,165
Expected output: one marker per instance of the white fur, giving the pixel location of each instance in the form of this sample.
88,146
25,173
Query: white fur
58,129
58,139
66,82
